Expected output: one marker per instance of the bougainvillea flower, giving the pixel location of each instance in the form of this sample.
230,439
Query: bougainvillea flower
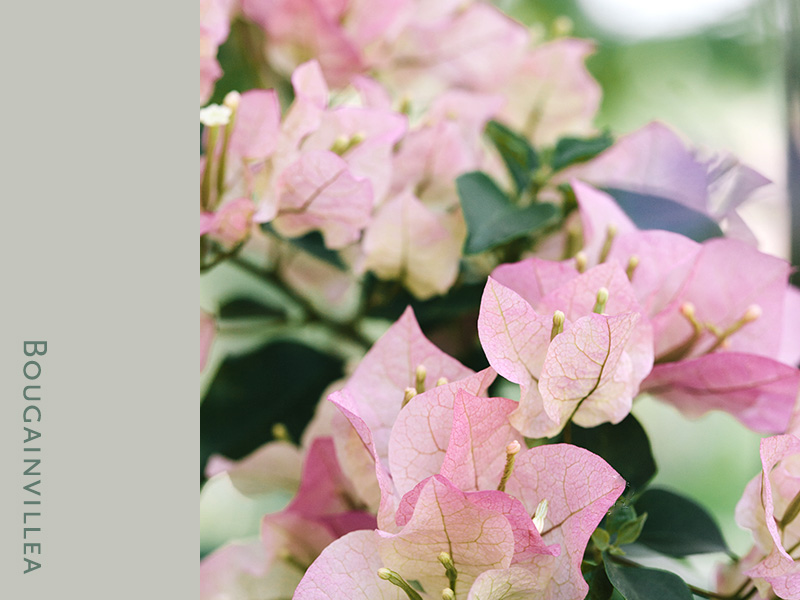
769,509
417,235
488,535
588,368
325,167
450,430
758,391
579,488
466,440
437,52
552,94
318,192
323,510
722,315
246,571
307,28
231,224
256,125
275,465
373,396
417,245
654,160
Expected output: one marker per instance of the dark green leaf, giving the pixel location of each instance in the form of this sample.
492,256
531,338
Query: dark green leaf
278,383
312,243
624,446
638,583
622,512
492,219
676,526
600,587
655,212
240,308
570,150
517,153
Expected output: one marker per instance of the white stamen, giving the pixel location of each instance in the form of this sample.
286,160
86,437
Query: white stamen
540,515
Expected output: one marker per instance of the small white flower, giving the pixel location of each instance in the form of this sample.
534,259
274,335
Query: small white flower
214,115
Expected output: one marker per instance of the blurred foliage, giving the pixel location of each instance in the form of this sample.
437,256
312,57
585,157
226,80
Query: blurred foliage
279,383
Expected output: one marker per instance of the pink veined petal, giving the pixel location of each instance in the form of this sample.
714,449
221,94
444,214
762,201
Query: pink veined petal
665,260
476,453
275,465
420,436
380,380
778,568
529,547
359,468
318,192
579,487
773,450
728,277
652,160
373,398
422,247
256,125
348,568
513,336
790,341
534,278
325,494
588,371
758,391
371,158
445,520
598,213
553,83
781,573
245,571
577,297
514,583
530,417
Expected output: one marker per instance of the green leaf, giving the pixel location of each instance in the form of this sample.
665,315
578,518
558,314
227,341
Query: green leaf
569,150
624,446
655,212
600,587
639,583
677,526
312,243
491,217
279,383
631,530
243,308
517,153
601,538
622,512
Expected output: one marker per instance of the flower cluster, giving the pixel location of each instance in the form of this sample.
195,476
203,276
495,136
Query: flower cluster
442,155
